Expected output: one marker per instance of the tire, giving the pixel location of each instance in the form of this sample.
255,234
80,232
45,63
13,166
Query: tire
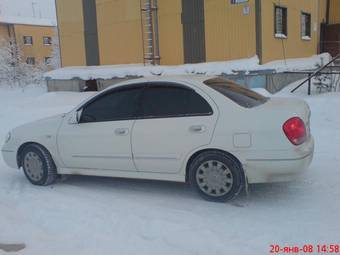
217,176
38,165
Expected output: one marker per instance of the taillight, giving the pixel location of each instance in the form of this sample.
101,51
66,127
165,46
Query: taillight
295,130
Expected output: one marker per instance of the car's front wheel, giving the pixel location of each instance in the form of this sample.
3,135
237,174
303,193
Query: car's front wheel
216,176
38,165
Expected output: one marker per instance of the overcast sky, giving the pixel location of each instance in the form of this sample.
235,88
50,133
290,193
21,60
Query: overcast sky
28,8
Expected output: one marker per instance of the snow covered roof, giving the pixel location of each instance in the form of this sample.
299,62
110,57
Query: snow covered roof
27,21
210,68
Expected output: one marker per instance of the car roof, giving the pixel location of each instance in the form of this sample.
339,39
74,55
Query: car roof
169,78
196,79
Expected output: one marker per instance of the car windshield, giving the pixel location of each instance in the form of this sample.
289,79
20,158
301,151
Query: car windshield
235,92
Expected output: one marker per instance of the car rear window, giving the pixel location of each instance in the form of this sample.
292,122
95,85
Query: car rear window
235,92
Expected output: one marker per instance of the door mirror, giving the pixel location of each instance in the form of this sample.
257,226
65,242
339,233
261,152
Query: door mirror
75,117
78,116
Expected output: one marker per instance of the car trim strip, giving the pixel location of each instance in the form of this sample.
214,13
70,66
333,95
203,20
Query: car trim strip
104,157
6,151
153,157
285,159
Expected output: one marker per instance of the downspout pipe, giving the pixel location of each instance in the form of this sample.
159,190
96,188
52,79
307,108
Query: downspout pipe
258,29
328,11
58,31
156,31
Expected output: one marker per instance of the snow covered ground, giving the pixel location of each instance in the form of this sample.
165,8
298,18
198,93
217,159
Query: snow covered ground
90,215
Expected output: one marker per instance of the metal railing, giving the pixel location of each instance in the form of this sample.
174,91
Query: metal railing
321,71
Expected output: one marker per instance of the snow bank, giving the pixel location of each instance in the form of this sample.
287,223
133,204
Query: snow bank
210,68
298,64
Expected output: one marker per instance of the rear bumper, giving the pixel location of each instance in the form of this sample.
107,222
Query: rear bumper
280,170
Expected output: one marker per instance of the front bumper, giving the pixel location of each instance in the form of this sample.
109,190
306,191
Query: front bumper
10,158
280,170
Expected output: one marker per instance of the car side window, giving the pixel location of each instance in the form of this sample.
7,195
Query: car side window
114,106
161,101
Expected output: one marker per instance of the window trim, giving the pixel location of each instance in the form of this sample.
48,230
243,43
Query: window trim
174,85
47,44
284,34
306,37
30,37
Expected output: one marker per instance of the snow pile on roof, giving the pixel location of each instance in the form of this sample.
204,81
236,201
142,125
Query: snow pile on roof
299,64
28,21
210,68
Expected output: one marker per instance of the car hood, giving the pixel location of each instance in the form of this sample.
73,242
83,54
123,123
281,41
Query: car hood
35,129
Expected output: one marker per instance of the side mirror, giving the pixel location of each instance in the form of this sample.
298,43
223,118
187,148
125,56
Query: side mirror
78,116
75,117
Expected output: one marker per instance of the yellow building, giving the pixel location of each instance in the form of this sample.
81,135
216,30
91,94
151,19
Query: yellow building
334,12
33,37
103,32
330,29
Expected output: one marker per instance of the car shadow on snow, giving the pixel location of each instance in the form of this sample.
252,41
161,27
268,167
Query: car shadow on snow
271,193
129,186
275,192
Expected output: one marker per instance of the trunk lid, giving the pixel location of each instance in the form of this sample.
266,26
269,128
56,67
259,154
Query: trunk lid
286,108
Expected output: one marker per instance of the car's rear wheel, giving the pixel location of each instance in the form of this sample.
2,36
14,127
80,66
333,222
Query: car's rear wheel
216,176
38,165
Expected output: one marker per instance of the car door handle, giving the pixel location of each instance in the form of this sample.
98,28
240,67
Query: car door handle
122,131
197,129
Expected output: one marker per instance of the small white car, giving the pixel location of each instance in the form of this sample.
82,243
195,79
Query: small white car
208,131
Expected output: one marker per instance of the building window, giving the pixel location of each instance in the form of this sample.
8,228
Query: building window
28,40
30,61
280,22
48,60
306,26
47,40
238,1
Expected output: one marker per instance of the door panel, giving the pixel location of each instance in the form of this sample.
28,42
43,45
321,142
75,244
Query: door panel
102,145
102,138
161,145
175,120
193,31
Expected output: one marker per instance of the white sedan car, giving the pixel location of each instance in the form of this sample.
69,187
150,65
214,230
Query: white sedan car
207,131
